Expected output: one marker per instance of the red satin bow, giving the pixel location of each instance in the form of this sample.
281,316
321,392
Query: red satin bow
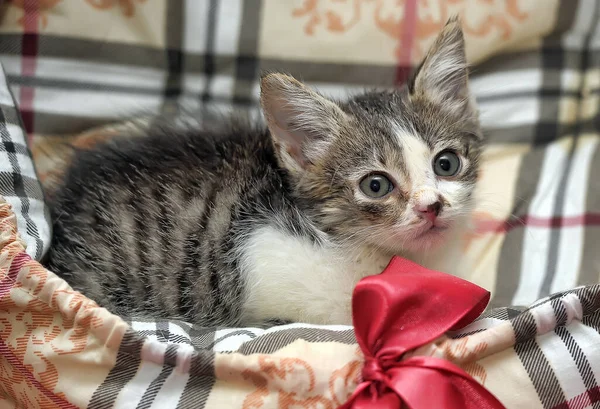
399,310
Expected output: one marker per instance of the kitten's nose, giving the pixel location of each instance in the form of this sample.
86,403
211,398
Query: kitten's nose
430,212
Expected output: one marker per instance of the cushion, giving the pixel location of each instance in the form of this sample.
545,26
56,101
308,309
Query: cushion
535,79
534,75
51,338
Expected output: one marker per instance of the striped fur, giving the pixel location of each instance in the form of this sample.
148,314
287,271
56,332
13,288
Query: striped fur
240,225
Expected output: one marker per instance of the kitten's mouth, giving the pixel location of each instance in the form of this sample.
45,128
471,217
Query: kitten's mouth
433,228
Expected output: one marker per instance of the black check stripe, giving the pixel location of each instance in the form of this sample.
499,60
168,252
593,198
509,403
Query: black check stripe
538,361
18,180
540,372
546,126
14,184
14,147
158,382
126,366
175,26
583,364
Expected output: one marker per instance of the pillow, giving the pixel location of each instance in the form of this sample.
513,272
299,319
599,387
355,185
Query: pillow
537,222
18,180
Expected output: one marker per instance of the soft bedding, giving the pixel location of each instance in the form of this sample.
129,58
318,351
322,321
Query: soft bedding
80,64
59,349
18,180
536,229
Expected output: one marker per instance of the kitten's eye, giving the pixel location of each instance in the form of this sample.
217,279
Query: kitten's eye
376,186
446,164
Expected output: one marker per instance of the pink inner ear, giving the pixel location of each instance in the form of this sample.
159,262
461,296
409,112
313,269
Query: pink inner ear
296,153
291,139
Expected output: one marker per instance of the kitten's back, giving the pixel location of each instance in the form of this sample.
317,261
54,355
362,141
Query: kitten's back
143,225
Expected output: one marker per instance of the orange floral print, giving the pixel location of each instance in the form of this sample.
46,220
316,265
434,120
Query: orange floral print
39,328
32,325
340,16
127,6
458,352
41,7
349,376
294,382
42,323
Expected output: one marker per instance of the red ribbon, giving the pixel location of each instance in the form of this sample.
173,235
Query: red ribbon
403,308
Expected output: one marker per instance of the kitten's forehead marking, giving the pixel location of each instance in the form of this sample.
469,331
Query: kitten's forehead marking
416,155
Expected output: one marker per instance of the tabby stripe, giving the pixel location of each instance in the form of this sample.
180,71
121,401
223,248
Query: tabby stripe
121,294
213,247
211,264
165,221
226,246
141,235
192,257
185,283
165,227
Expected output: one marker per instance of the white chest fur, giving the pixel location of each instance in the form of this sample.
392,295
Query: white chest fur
292,278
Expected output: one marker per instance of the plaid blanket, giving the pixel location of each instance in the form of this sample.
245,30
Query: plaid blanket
75,65
18,180
52,337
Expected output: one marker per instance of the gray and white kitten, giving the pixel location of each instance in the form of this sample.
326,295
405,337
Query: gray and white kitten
239,226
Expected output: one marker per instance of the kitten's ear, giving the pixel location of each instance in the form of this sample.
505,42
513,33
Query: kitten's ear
443,75
302,122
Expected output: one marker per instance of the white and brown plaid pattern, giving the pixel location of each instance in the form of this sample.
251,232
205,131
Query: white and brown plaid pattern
545,356
538,86
535,77
555,343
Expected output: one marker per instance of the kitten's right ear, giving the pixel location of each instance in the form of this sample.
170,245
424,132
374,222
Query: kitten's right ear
302,122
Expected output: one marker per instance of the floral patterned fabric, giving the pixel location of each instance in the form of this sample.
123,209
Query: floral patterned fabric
52,338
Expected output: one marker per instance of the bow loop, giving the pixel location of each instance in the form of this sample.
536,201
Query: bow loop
405,307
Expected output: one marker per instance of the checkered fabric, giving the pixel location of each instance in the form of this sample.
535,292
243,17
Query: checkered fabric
18,180
552,343
74,65
51,338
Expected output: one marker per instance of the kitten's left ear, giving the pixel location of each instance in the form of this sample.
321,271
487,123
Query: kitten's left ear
443,75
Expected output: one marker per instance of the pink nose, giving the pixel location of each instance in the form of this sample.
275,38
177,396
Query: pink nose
430,212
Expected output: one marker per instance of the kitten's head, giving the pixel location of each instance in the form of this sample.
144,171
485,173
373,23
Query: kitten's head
395,169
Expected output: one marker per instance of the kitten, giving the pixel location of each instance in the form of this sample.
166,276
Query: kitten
238,226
